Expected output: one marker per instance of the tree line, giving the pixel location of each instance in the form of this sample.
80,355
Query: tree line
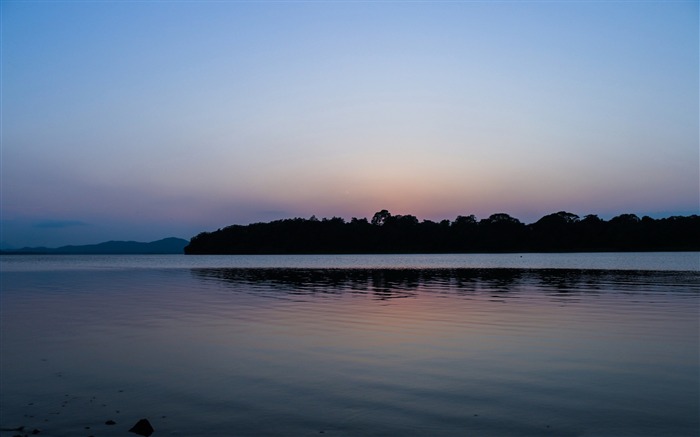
387,233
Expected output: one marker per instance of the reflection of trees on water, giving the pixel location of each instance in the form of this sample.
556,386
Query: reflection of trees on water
401,283
383,284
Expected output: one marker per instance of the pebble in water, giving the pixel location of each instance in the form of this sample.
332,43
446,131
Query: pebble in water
143,427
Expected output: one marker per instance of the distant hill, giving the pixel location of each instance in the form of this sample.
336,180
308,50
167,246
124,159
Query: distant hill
170,245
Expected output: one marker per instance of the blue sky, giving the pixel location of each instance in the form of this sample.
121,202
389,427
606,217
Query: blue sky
142,120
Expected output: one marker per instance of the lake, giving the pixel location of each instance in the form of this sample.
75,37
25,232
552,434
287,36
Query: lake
395,345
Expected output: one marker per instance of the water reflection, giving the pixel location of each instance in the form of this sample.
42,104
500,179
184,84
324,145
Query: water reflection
385,284
410,352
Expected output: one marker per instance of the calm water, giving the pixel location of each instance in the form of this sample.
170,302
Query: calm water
352,346
600,261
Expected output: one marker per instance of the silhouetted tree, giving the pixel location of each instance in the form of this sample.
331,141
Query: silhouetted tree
380,217
624,232
501,232
561,231
555,232
464,233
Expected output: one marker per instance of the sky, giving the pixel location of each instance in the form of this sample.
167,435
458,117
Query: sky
139,120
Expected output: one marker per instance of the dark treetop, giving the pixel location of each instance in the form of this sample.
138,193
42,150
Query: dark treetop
386,233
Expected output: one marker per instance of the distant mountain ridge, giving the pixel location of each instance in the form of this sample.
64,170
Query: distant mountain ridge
171,245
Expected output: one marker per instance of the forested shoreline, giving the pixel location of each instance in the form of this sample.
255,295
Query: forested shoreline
387,233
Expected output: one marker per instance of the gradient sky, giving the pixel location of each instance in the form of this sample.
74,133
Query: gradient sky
142,120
